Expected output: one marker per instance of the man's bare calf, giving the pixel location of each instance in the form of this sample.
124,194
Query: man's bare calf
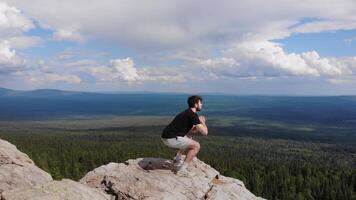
192,151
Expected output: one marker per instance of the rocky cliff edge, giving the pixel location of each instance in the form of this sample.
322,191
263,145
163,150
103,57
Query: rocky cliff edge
142,178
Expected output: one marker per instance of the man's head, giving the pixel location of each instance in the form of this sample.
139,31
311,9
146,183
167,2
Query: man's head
196,102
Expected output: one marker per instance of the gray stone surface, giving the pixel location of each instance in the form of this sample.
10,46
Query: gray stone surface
56,190
142,178
154,178
17,170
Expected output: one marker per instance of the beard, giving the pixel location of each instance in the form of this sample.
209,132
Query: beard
198,109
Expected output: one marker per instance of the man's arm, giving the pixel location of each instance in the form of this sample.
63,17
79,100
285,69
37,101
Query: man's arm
201,128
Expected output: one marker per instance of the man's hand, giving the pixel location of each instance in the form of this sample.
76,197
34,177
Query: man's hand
202,119
202,128
193,130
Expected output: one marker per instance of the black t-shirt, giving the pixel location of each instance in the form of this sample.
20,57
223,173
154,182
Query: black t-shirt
181,124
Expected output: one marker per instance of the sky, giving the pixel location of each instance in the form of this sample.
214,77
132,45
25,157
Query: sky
242,47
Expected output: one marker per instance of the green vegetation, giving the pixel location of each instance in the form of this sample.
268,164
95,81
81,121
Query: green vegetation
271,168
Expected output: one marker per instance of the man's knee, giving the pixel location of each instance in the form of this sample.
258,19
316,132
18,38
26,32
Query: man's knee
195,145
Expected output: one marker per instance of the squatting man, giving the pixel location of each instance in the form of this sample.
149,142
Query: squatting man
178,133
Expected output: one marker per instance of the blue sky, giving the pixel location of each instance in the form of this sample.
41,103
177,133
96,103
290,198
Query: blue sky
234,47
331,44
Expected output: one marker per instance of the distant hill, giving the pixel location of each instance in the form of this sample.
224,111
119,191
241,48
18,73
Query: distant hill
49,103
4,91
40,93
50,93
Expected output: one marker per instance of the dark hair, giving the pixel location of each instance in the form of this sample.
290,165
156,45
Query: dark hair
193,100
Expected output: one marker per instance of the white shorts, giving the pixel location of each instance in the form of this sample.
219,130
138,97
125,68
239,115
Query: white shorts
177,143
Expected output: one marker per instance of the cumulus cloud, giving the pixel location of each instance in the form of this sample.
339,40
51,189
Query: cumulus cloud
119,69
22,42
12,24
9,61
165,74
125,70
12,21
161,24
327,25
248,60
68,34
42,75
261,59
51,78
219,62
242,39
265,58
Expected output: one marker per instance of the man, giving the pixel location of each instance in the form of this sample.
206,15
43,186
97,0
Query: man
177,134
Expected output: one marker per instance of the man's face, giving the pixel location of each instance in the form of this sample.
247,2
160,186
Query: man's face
199,105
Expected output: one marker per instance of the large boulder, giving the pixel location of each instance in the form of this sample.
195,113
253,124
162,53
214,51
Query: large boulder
142,178
154,178
17,170
56,190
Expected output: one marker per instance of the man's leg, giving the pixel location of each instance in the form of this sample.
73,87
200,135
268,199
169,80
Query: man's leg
184,151
192,151
180,153
178,156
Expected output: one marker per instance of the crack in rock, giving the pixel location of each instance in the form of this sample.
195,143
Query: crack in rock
207,195
117,194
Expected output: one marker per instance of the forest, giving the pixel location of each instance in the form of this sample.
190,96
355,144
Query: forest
273,168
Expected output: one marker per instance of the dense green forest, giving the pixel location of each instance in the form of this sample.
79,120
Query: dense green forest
273,168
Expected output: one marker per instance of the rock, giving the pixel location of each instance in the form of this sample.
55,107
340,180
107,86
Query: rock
56,190
154,178
142,178
229,188
17,170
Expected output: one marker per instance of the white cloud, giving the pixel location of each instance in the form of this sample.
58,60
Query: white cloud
236,43
348,80
5,51
179,24
12,21
103,73
119,69
22,42
68,34
179,74
330,67
8,59
219,62
250,60
265,58
80,63
328,25
124,70
52,77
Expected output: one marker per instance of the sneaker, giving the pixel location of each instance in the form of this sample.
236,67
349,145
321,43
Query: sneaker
178,163
177,158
